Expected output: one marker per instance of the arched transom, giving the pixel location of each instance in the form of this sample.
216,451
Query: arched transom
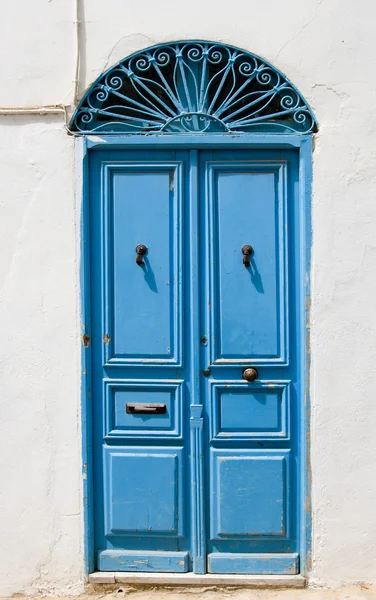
192,87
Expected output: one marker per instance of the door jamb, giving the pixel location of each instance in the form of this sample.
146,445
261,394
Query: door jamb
303,143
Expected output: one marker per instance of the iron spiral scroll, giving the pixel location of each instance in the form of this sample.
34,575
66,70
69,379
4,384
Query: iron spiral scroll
192,87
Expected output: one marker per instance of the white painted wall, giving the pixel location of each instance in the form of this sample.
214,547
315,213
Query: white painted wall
328,50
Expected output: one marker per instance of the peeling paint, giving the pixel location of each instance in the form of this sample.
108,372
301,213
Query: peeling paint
86,341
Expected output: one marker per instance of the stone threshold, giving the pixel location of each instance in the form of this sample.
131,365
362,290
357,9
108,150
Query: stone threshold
166,579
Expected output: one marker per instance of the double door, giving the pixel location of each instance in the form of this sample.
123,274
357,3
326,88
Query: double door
196,396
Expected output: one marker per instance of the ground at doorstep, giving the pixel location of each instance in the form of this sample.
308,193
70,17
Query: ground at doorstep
362,592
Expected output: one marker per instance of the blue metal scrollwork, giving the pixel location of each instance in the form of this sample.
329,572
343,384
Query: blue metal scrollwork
192,87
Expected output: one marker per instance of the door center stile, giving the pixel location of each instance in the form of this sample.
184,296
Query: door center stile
196,420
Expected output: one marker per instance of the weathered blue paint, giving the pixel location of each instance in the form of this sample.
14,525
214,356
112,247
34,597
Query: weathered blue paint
143,492
167,562
198,542
120,366
263,410
86,363
304,306
258,564
198,535
208,141
251,322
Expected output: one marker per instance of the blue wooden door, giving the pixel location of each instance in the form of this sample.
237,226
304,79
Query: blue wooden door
196,398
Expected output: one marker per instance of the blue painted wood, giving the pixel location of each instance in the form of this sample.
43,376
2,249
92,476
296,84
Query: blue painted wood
150,479
137,195
255,215
303,327
197,490
198,532
86,363
168,562
250,493
262,410
233,141
118,424
248,321
258,564
143,491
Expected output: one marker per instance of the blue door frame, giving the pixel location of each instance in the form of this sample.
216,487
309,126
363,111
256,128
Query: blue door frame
301,143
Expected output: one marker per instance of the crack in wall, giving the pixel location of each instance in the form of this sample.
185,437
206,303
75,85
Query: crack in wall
294,37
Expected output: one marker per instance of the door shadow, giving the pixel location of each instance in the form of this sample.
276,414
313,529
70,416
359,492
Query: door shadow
149,275
255,276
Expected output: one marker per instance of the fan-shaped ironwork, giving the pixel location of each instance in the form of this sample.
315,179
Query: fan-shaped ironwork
192,87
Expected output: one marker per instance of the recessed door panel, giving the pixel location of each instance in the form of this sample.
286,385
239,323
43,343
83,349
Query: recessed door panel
246,204
143,302
143,409
240,411
249,493
143,492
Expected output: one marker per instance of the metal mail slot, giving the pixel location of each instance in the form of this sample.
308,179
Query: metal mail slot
139,409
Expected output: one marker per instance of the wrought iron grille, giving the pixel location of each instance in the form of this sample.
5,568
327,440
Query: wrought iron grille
192,87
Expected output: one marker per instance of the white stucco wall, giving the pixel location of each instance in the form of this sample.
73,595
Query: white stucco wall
328,50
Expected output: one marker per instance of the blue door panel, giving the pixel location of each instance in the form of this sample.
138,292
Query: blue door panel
249,494
142,204
195,468
258,564
246,204
120,394
131,560
144,491
242,411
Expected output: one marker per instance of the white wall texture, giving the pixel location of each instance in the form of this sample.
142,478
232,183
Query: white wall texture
327,48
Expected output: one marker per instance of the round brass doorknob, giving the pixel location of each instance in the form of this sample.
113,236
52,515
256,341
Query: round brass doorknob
250,374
